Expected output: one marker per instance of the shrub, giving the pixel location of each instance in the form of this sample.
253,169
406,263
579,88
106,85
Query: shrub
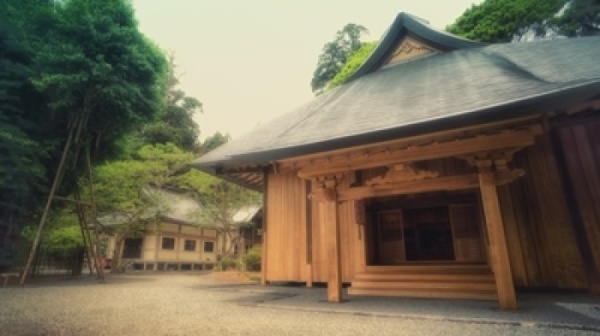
252,259
228,263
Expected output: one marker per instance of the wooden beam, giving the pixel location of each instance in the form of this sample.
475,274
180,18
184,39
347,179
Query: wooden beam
497,238
460,182
66,199
299,162
478,144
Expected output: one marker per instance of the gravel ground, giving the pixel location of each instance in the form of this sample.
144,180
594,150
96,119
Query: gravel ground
194,303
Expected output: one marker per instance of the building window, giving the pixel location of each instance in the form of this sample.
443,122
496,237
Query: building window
189,245
209,246
168,243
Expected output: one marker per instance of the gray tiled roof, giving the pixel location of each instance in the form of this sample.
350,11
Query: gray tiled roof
439,91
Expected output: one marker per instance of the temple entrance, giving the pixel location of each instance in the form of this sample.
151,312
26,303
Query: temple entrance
442,227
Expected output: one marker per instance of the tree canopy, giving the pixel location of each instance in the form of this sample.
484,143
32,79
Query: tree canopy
72,72
355,60
506,20
175,123
335,54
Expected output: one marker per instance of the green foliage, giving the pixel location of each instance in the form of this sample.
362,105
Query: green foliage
355,60
252,259
129,192
63,240
498,20
213,142
24,143
122,186
62,234
228,263
175,122
62,61
219,201
193,181
581,18
20,167
335,54
99,67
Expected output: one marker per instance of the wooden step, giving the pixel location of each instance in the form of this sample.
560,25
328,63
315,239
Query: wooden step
455,286
396,277
427,281
428,293
424,268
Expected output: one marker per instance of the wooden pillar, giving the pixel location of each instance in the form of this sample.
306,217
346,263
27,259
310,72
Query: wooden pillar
332,229
326,195
497,238
265,221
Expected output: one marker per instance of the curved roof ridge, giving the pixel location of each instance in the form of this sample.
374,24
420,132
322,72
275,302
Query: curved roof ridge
405,25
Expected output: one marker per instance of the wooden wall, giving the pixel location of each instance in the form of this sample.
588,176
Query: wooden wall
580,159
295,233
285,230
539,230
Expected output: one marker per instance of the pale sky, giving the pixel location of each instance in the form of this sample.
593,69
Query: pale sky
249,61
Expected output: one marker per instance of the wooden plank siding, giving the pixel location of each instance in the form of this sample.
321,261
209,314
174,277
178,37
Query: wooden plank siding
580,144
539,230
286,237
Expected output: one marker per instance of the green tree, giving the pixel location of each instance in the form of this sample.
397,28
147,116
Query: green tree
335,54
219,203
25,149
129,192
213,142
101,77
352,64
580,18
175,121
505,20
100,72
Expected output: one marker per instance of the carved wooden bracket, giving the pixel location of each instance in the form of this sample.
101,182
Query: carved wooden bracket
496,163
325,188
401,172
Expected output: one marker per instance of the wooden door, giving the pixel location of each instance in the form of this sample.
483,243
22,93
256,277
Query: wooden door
391,238
466,231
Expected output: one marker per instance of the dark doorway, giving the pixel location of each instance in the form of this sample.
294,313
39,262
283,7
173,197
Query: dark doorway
433,227
132,249
428,234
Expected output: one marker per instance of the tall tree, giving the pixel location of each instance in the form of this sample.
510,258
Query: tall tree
25,148
101,77
335,54
175,121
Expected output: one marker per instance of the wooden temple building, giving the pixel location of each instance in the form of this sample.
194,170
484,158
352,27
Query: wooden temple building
443,168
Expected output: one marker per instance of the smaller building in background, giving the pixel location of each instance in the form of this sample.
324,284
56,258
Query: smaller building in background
172,242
